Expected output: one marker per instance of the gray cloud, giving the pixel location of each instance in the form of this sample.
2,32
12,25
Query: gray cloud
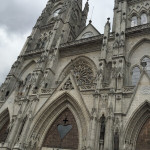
20,15
17,17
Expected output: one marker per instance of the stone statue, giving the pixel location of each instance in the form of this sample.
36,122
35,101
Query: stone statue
99,77
116,141
29,43
102,131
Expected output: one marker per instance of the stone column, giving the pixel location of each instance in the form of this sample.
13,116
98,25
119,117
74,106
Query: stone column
24,133
13,134
94,123
108,142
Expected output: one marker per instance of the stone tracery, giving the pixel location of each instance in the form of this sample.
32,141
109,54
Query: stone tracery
83,73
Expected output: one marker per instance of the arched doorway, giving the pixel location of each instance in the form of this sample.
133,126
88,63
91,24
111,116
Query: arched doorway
63,133
143,141
4,125
137,135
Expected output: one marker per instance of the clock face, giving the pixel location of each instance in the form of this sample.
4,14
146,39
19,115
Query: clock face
56,13
87,35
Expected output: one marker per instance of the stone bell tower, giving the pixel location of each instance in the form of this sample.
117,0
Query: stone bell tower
60,22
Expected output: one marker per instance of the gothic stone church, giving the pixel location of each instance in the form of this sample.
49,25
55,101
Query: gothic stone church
73,88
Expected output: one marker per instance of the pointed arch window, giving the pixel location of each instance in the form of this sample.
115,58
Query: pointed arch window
144,18
56,13
147,61
134,21
135,75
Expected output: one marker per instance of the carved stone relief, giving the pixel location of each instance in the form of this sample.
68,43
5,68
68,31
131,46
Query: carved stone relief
83,73
68,85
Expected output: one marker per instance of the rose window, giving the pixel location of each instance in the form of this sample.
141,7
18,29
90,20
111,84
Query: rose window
83,74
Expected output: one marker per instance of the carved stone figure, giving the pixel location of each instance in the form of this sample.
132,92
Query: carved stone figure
102,129
116,141
100,77
29,43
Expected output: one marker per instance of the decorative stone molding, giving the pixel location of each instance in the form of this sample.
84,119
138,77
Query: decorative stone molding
145,90
47,91
68,85
134,1
33,52
138,29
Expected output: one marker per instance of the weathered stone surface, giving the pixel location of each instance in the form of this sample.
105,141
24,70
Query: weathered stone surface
68,70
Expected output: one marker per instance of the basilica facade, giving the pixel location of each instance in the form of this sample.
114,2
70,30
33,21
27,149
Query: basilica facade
73,88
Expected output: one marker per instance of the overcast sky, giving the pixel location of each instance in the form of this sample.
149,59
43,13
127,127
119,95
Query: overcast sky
17,17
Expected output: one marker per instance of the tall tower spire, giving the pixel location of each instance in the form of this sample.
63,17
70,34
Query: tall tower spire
59,22
85,14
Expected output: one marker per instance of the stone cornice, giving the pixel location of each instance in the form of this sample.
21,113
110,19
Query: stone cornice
32,53
134,1
141,29
47,26
81,42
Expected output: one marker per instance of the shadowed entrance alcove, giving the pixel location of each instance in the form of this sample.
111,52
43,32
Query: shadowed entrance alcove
143,142
137,136
63,133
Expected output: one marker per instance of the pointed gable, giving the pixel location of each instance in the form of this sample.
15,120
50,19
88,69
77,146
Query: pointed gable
88,31
141,94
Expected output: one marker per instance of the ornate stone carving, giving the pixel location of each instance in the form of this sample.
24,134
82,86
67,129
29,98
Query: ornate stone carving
32,143
29,43
42,59
83,74
104,100
68,85
114,70
100,76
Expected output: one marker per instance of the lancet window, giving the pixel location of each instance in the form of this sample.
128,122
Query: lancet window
146,60
134,21
143,18
136,72
135,75
56,13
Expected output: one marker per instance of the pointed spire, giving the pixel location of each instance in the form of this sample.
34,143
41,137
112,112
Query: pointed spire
86,8
108,23
85,15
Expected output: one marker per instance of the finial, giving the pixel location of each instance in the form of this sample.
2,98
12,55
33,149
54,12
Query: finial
108,19
144,64
90,21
